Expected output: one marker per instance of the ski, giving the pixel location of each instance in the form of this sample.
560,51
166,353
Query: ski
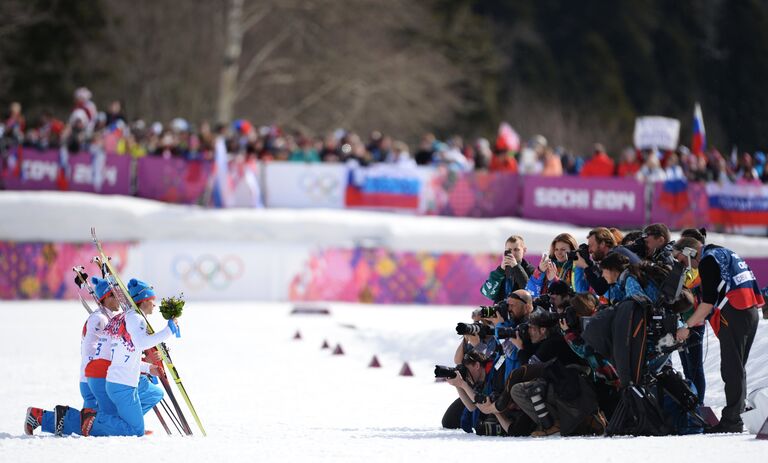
81,279
115,279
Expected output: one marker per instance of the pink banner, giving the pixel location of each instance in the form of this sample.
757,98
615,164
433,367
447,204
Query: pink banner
46,170
172,180
582,201
392,277
474,194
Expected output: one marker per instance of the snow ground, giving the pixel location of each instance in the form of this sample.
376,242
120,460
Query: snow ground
263,396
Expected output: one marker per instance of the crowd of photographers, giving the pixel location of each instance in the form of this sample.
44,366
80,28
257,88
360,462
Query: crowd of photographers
581,343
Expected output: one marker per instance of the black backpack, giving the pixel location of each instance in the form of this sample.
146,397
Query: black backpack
638,414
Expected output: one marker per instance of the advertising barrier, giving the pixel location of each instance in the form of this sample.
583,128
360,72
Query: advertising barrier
49,170
734,205
172,180
741,208
300,185
619,202
473,194
383,186
680,205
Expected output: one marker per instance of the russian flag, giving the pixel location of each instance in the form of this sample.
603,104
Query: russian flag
381,187
699,139
674,195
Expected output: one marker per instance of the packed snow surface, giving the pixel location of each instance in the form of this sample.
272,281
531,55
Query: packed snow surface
263,396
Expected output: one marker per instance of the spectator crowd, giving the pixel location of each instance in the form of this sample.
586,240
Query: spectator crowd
87,128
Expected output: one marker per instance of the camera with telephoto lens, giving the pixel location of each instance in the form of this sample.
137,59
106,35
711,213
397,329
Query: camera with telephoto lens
572,319
476,328
582,251
519,332
442,371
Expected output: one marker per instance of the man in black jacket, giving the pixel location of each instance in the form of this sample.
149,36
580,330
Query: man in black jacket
601,243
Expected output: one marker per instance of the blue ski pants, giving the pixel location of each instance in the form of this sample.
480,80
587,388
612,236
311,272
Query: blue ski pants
129,420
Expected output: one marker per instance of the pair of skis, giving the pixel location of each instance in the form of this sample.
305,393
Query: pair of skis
123,296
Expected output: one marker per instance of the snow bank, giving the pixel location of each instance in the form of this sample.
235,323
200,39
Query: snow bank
67,216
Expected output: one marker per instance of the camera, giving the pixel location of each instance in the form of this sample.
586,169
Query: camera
519,332
476,328
488,311
480,397
638,246
543,302
582,251
442,371
571,318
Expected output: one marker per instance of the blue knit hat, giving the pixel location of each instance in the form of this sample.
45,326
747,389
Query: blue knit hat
101,288
140,291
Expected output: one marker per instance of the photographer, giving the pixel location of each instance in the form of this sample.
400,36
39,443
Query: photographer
485,345
552,393
479,381
605,379
556,266
560,294
657,244
600,243
625,280
692,357
728,287
512,274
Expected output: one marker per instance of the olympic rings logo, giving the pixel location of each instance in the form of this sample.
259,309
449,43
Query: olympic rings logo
208,270
320,187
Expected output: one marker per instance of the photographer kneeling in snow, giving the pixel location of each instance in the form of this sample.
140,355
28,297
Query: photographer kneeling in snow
553,392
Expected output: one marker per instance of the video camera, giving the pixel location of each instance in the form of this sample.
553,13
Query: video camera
442,371
662,323
582,251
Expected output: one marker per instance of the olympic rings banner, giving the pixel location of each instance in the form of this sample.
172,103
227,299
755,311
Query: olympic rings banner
300,185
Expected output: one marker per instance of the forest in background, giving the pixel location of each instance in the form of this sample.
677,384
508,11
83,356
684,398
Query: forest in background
576,72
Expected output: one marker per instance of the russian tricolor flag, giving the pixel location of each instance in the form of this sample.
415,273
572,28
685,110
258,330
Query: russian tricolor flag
699,141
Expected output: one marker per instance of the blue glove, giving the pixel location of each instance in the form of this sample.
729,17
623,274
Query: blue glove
174,328
152,379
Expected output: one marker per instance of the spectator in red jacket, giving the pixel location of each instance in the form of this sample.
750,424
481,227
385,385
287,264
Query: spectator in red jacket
629,164
503,161
600,165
